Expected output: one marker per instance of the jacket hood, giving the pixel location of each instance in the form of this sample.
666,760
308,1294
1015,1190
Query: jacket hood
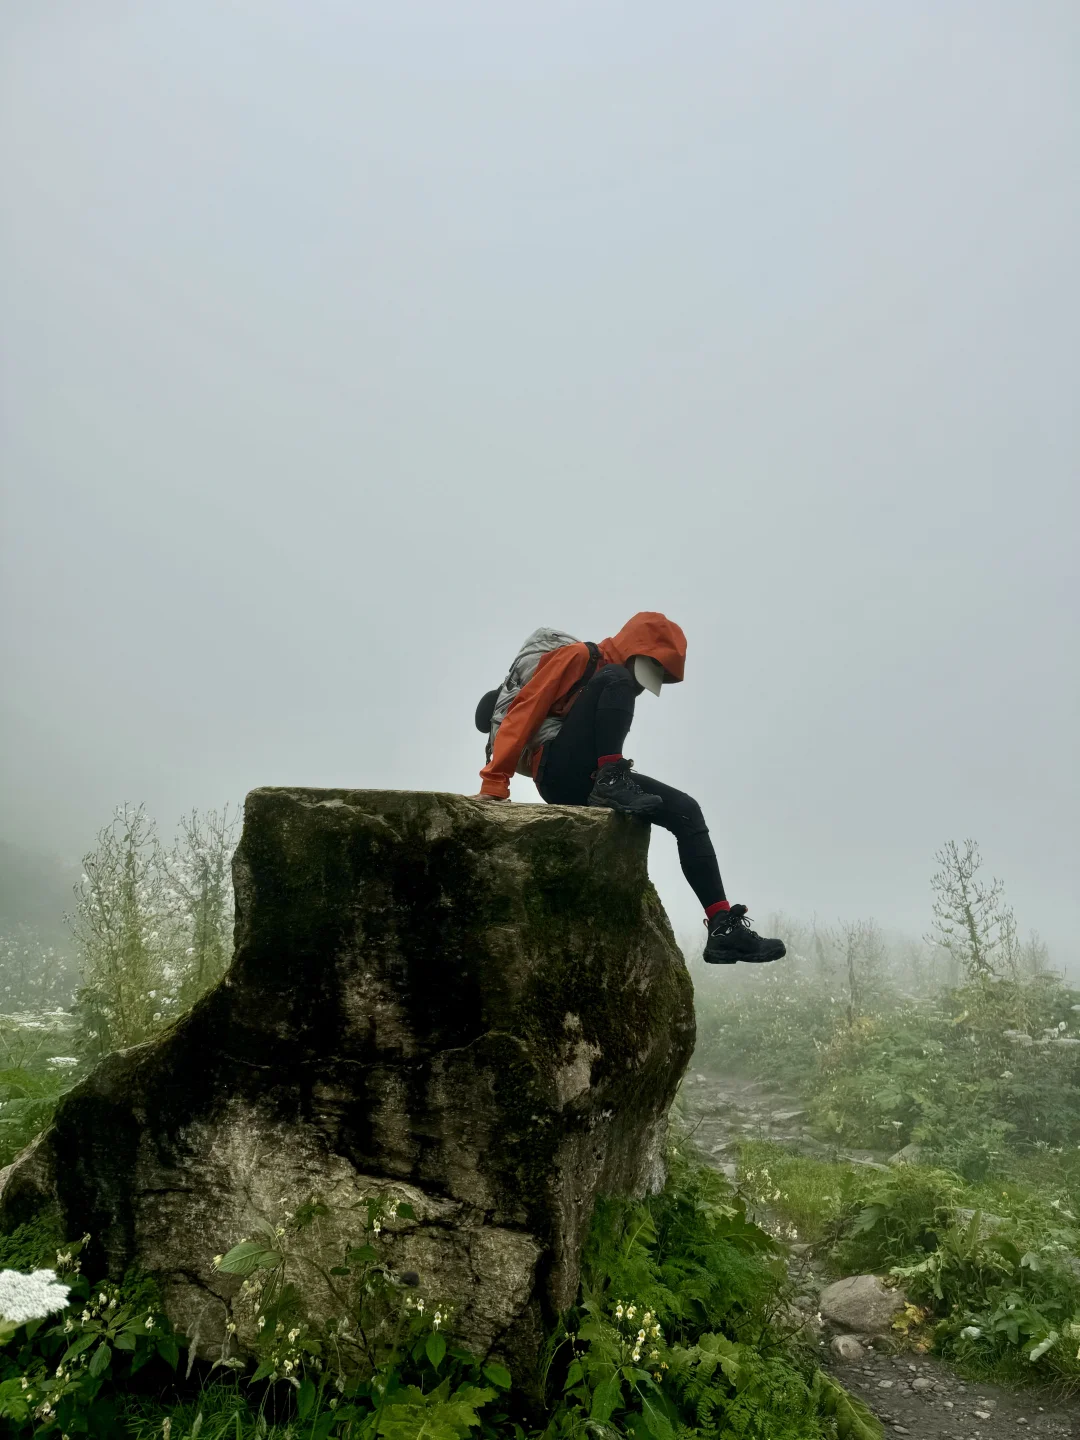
650,633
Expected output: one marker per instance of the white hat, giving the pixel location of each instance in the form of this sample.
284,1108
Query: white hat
649,673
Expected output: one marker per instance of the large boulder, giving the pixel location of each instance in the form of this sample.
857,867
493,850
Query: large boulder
861,1303
478,1009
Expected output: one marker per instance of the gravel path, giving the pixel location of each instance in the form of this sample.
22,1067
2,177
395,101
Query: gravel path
911,1394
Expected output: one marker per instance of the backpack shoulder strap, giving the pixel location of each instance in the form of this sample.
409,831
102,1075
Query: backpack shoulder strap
589,672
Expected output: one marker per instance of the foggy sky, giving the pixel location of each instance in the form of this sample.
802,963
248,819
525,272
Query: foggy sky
345,343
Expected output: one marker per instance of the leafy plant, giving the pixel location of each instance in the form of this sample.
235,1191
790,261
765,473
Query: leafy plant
679,1329
65,1375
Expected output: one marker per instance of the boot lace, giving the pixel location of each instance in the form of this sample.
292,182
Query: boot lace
731,919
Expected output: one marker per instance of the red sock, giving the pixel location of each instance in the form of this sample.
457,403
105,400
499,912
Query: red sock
711,910
603,760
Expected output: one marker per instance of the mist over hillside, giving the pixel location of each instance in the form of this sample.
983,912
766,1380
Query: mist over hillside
35,892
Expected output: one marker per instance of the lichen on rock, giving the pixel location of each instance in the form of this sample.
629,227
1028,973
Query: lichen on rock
479,1009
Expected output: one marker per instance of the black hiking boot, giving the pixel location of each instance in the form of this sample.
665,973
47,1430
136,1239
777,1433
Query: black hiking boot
731,939
615,788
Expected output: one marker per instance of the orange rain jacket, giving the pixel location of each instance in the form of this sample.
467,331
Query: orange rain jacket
648,633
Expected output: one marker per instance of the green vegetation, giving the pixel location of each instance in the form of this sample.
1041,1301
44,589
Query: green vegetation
37,1065
677,1334
152,927
977,1082
150,930
965,1049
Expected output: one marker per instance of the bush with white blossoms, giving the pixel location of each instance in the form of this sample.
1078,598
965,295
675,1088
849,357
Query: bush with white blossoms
378,1311
30,1297
358,1366
56,1377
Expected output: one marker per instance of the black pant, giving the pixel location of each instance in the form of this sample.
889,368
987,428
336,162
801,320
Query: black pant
598,724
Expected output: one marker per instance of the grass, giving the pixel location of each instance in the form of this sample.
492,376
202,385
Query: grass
807,1194
993,1264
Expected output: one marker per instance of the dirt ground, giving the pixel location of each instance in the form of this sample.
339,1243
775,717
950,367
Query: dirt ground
911,1394
919,1396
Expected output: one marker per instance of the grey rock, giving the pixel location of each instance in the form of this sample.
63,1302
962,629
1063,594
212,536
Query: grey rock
861,1303
910,1155
477,1009
922,1383
847,1347
988,1223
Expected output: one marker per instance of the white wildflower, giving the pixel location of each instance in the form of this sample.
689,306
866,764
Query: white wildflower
619,1311
293,1336
30,1297
631,1311
150,1322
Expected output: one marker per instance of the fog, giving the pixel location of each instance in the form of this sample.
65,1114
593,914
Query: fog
345,344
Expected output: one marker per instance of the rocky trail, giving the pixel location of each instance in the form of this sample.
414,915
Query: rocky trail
911,1394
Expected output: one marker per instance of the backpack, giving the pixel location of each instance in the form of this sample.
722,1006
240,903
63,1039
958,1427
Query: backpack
491,711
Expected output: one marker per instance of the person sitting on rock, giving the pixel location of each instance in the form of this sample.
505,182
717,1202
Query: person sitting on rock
566,725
